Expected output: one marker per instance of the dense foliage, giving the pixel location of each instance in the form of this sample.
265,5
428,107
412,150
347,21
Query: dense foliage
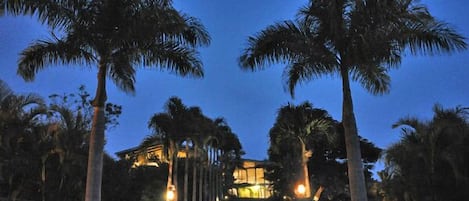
431,161
44,147
182,127
323,137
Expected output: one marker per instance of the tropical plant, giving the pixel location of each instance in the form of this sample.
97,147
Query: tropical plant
173,127
323,139
294,130
182,126
430,161
359,40
108,33
21,143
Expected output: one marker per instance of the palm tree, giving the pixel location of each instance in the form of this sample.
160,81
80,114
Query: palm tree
429,162
20,142
109,33
357,40
69,133
296,127
230,152
177,124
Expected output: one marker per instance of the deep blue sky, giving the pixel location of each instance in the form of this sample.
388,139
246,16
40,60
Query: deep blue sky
249,101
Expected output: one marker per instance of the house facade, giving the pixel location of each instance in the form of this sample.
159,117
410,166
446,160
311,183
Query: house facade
248,175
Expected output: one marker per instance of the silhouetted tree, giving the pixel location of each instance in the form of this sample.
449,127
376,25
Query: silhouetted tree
108,34
360,40
430,161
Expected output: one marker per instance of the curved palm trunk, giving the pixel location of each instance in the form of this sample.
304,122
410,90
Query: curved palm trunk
306,180
95,157
352,144
318,193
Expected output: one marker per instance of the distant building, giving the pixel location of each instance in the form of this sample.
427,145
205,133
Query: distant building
249,180
249,175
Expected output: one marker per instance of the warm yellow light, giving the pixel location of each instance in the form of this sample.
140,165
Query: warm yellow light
256,187
301,189
170,195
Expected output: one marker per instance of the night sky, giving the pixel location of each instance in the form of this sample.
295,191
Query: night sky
249,101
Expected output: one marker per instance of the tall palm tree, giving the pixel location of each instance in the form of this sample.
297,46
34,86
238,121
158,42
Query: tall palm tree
359,40
118,36
230,152
177,124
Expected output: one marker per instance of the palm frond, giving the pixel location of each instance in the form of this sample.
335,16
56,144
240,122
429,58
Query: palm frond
122,72
174,57
272,45
46,52
5,90
167,24
65,115
55,13
412,122
304,71
432,37
373,78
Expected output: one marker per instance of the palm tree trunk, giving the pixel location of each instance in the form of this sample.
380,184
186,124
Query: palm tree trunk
304,163
307,184
194,174
43,177
318,193
201,180
95,158
170,168
352,143
175,174
186,172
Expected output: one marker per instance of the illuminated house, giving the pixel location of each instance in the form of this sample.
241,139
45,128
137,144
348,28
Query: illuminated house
250,182
203,164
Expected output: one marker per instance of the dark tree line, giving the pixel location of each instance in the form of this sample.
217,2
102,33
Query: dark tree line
431,161
44,148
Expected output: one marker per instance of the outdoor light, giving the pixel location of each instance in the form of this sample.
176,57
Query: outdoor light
301,189
171,193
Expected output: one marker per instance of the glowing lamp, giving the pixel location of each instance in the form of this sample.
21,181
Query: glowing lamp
301,189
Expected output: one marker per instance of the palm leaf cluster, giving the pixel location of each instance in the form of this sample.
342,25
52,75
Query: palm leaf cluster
180,122
116,34
430,161
363,38
295,125
208,143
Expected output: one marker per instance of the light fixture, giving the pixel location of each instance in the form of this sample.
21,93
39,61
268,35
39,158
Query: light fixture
171,193
301,190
